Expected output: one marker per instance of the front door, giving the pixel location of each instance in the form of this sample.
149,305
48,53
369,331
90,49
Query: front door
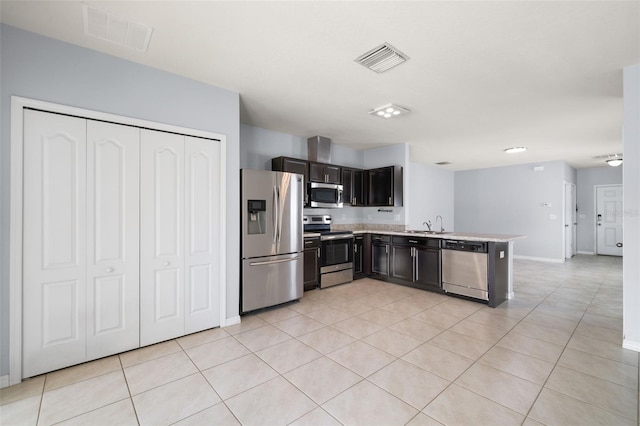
609,220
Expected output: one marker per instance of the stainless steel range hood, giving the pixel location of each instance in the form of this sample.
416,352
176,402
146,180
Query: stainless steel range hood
319,149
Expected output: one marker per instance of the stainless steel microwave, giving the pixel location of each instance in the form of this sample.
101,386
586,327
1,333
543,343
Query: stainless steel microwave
325,195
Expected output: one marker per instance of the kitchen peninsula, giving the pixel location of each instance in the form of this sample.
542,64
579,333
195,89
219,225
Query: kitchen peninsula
472,265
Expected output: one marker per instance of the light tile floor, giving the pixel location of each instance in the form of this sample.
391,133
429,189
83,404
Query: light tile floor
373,353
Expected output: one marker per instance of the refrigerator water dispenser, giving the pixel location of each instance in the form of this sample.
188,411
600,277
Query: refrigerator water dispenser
257,216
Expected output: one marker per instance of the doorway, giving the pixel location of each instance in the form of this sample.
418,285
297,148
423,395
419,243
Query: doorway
609,220
570,222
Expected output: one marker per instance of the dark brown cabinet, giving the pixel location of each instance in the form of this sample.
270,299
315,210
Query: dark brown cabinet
416,262
325,173
380,250
353,183
358,257
385,186
311,273
293,165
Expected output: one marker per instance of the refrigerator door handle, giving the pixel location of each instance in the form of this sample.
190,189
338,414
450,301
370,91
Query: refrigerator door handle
269,262
279,219
275,215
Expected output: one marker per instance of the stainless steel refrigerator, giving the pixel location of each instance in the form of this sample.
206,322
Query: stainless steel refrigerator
272,240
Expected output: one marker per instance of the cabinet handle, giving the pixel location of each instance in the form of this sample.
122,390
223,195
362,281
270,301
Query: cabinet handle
318,252
386,249
413,241
389,200
355,248
355,201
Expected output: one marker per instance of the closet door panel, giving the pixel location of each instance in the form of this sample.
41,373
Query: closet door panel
113,159
161,236
54,250
202,257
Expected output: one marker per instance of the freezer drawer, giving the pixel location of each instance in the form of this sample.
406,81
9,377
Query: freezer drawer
269,281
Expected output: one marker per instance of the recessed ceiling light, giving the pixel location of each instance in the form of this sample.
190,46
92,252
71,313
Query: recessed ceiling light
389,110
515,149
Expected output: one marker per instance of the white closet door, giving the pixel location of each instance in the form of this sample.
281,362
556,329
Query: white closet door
54,252
202,234
161,236
113,157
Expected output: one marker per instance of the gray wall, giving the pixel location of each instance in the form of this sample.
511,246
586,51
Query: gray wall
587,180
40,68
631,182
509,200
431,193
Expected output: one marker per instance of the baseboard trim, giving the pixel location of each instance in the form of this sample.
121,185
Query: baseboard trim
586,252
539,259
231,321
630,344
4,381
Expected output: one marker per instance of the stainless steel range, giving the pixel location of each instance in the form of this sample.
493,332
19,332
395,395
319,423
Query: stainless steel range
336,250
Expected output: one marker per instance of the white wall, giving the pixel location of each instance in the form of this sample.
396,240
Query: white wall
631,182
587,180
431,193
41,68
509,200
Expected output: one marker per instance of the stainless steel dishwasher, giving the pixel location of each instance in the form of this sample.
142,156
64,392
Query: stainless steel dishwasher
464,268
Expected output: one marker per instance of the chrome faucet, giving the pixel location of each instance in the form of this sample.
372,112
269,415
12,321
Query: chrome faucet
428,223
441,227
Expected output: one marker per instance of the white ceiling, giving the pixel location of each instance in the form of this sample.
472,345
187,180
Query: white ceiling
483,75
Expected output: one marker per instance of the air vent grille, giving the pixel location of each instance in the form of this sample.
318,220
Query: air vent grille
443,163
382,58
606,156
106,26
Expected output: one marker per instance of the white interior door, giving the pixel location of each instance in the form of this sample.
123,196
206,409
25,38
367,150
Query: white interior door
162,227
202,233
609,220
569,220
54,238
113,159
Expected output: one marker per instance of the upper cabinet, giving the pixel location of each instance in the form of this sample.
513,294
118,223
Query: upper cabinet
380,187
385,186
325,173
353,182
293,165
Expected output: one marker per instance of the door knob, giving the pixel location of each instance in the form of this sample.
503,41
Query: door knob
108,270
618,244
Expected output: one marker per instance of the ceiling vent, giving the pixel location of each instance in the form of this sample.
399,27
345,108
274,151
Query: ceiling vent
107,26
607,156
443,163
382,58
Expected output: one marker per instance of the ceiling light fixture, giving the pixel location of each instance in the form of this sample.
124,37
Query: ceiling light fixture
515,149
614,162
389,111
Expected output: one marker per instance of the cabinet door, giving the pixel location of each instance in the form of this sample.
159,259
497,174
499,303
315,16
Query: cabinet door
347,185
316,172
358,188
428,267
54,242
311,268
202,234
402,262
358,256
113,158
333,173
380,259
381,187
292,165
162,227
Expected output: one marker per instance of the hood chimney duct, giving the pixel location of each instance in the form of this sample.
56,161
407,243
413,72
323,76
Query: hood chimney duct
319,149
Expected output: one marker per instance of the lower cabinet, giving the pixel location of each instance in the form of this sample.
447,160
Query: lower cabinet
416,262
380,254
311,278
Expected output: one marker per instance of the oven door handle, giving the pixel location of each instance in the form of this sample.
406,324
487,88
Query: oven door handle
336,237
270,262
